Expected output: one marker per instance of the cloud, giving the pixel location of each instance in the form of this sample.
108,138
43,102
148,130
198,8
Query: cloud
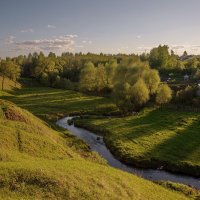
177,48
87,42
79,46
72,36
51,26
191,49
8,40
62,43
27,30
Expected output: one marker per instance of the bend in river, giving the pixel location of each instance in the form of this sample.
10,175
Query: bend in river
100,147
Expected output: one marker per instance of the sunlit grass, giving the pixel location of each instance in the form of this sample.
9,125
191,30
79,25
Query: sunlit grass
157,136
37,162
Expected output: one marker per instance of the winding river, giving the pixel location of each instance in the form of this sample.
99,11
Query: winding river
99,146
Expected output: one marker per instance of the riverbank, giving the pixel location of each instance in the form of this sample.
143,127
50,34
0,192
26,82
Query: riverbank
153,138
96,144
39,162
156,138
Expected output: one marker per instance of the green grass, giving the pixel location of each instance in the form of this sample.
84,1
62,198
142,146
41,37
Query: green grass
188,191
156,137
37,162
73,179
9,84
40,163
49,103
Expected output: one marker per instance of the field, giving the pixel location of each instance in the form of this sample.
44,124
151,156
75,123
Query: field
155,137
49,103
38,162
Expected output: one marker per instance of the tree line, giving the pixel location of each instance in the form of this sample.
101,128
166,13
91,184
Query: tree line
132,80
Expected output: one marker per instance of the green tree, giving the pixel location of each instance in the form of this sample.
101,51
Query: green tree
121,94
185,53
110,72
139,94
159,57
100,78
152,80
88,77
164,94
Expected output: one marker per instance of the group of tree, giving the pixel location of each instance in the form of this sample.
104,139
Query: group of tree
133,80
135,84
65,70
97,79
132,83
167,61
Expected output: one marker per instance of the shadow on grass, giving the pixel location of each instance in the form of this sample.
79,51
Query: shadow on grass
184,146
42,101
146,124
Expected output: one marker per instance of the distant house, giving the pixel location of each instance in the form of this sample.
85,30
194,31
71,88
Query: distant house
186,77
185,57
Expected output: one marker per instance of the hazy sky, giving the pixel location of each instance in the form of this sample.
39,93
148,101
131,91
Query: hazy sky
109,26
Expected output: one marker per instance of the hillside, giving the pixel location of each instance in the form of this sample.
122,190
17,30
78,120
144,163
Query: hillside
37,163
9,84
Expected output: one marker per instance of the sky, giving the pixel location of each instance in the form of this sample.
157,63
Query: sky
108,26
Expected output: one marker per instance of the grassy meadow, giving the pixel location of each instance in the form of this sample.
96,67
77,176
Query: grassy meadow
37,162
155,137
50,104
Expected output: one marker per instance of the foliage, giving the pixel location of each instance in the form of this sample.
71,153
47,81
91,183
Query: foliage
134,83
164,94
188,96
159,57
139,94
88,78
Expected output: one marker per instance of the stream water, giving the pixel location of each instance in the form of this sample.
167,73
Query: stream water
97,144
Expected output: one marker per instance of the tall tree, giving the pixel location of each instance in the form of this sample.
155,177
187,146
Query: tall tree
159,57
88,77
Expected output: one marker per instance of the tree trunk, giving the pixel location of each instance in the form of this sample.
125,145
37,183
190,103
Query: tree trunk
2,83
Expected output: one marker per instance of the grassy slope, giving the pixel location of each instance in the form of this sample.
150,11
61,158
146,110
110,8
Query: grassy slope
36,163
8,84
155,137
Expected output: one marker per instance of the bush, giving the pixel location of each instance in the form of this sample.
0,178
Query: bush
188,96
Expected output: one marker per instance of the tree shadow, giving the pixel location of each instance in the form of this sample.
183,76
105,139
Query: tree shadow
146,124
184,146
41,101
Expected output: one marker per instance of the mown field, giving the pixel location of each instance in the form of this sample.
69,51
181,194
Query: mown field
155,137
37,162
49,103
